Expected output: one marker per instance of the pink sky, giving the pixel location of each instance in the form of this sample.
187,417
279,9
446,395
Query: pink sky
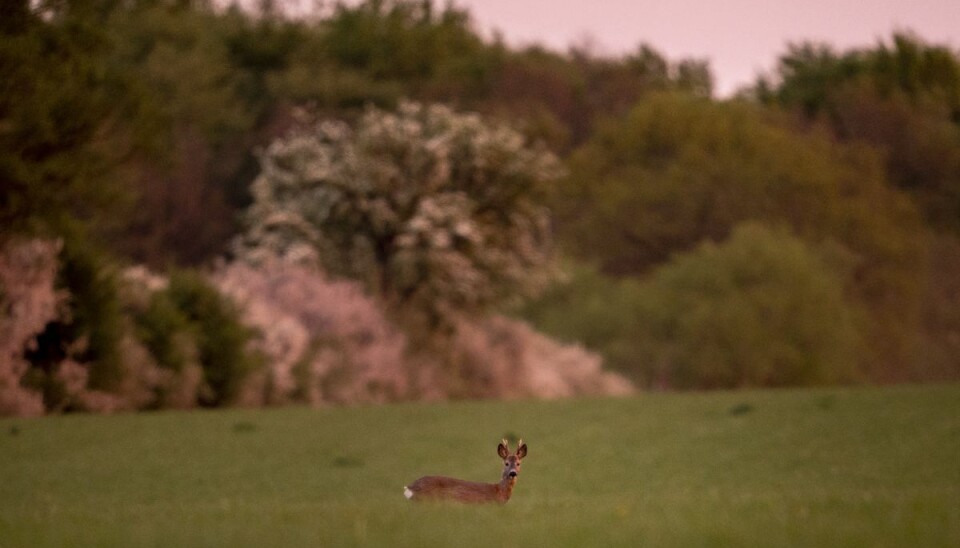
740,38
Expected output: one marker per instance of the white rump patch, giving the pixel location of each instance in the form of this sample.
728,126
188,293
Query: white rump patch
407,492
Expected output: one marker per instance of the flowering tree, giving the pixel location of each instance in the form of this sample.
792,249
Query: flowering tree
432,209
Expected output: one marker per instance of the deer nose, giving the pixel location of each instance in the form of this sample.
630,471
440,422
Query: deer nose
512,474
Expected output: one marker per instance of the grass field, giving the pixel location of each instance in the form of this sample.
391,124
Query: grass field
831,467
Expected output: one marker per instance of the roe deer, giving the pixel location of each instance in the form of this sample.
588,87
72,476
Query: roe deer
443,488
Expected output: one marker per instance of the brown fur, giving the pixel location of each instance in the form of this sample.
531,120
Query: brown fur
445,488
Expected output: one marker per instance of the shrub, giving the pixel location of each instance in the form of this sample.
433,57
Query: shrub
435,211
169,339
95,311
28,302
326,341
220,337
598,311
164,330
505,358
677,171
88,333
760,309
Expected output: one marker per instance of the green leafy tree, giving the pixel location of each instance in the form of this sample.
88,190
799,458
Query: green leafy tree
809,74
203,114
410,41
759,309
63,114
436,211
678,171
901,97
585,306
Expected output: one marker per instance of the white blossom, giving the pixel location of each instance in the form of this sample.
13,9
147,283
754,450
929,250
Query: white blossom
435,206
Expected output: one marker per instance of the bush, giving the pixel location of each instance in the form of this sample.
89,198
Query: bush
28,302
65,344
678,171
170,339
437,212
326,341
760,309
88,334
214,323
504,358
592,309
195,336
162,327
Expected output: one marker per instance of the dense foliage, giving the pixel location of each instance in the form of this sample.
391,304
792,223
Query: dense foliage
62,110
901,98
760,308
171,133
679,171
437,211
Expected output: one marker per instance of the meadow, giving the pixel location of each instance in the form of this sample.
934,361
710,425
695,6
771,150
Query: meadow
823,467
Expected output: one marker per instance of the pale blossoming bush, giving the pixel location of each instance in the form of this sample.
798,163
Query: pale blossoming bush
28,301
506,358
433,210
329,343
326,342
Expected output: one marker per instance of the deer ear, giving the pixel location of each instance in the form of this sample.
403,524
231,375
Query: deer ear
502,450
521,450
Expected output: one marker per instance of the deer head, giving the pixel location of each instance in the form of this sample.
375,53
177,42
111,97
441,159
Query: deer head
511,463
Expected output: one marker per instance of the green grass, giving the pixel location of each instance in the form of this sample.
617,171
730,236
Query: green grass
832,467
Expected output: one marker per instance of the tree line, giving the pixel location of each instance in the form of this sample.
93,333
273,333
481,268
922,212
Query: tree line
805,231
